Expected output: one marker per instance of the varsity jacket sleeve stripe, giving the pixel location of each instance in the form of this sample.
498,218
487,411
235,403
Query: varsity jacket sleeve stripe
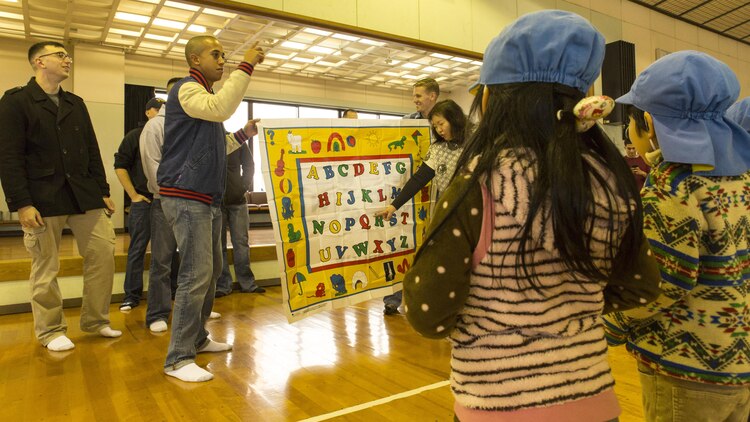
199,103
235,140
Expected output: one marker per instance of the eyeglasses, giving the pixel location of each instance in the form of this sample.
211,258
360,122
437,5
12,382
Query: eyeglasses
60,55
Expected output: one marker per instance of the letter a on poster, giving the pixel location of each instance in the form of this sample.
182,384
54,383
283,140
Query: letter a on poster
325,179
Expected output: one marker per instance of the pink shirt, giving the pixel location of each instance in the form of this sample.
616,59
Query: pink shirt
599,408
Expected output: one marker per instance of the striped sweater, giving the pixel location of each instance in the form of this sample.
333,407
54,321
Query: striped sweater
515,347
699,230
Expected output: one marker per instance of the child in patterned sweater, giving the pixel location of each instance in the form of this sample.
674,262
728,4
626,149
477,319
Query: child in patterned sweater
692,343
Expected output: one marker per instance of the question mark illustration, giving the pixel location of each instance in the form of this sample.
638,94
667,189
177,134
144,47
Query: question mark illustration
271,133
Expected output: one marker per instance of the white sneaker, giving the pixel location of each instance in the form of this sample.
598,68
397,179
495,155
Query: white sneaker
214,315
158,326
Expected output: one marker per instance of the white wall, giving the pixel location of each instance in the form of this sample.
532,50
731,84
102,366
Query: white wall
268,86
471,24
98,73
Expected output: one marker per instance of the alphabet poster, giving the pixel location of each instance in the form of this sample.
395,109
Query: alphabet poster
325,179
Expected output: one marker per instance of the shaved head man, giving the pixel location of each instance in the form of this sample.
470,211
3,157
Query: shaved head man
191,179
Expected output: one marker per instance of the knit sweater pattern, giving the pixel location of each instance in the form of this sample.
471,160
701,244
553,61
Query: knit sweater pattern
699,230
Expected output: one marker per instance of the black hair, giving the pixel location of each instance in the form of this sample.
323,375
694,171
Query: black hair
522,117
475,112
453,113
171,82
36,48
639,117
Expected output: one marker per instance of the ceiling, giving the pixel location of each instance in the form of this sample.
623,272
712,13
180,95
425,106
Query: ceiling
160,28
730,18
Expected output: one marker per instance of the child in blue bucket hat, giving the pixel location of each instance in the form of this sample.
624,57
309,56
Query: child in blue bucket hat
692,343
538,229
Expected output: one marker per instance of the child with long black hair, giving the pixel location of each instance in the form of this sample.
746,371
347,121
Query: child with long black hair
539,228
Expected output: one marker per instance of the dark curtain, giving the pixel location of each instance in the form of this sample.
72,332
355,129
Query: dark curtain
136,97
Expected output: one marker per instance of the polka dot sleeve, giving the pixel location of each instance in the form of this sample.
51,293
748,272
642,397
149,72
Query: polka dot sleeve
636,288
437,285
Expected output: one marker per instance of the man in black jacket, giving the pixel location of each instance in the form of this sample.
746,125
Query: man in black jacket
52,174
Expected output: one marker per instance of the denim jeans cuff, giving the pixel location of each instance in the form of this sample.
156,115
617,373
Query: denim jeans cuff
177,365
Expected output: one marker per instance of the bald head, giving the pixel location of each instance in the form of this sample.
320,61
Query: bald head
197,45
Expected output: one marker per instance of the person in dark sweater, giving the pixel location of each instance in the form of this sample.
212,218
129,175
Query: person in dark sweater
240,168
130,174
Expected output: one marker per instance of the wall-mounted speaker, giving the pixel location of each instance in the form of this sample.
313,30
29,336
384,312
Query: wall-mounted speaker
618,75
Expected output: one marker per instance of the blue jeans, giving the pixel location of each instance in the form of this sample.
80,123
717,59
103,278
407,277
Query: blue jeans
197,228
162,279
394,299
139,227
672,399
235,219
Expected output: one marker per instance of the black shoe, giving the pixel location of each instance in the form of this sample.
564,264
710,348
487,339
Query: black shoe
390,309
219,293
258,289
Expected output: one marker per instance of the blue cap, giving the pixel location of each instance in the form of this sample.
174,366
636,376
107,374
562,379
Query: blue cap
739,113
546,46
687,94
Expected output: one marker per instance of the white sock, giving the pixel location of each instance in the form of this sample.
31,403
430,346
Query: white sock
190,373
158,326
214,315
215,346
108,332
60,344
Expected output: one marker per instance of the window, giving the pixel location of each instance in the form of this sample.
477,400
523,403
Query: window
363,115
238,119
268,111
318,113
279,111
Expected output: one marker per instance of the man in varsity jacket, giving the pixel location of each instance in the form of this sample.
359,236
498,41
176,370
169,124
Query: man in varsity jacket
191,180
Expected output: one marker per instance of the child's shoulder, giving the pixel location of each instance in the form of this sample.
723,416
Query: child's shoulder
678,178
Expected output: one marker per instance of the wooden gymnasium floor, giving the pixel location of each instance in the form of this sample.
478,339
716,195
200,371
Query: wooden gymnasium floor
350,364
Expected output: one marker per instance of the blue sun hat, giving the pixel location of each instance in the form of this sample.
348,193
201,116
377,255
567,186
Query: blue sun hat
546,46
687,94
739,113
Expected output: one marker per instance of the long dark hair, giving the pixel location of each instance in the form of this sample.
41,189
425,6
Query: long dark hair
455,116
522,116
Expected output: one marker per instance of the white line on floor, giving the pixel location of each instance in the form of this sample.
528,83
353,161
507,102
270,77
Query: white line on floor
374,403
